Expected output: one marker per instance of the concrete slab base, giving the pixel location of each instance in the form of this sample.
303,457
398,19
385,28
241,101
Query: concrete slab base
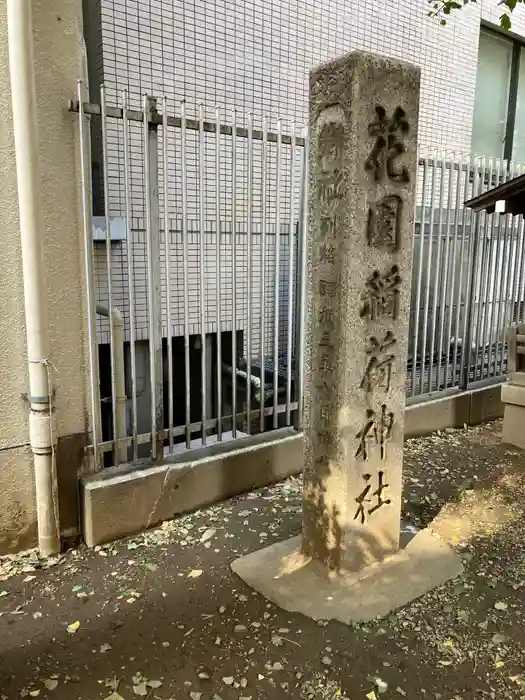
513,423
284,576
513,398
121,501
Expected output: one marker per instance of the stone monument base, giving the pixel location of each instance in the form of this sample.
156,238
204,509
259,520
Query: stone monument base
286,577
513,396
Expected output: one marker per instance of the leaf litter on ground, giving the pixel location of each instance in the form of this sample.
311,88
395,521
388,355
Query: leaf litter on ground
435,618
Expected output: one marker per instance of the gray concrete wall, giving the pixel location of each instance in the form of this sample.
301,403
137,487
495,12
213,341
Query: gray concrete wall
59,61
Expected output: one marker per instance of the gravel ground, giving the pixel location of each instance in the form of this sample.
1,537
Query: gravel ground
161,615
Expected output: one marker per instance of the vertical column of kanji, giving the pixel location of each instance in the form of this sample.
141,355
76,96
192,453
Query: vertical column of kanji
389,171
364,111
324,479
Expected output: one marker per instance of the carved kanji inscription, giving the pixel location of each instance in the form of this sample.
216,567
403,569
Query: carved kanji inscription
325,340
327,318
366,498
376,432
328,228
331,147
381,295
327,288
326,362
331,190
327,253
389,133
379,366
331,157
325,439
383,223
325,412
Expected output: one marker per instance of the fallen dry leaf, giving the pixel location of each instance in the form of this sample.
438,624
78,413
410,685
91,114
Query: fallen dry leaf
72,628
195,573
381,685
140,689
149,566
208,534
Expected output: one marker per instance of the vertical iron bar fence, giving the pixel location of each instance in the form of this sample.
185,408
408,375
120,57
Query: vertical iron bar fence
203,235
214,317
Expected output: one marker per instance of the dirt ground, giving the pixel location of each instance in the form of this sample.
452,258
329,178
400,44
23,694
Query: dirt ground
162,616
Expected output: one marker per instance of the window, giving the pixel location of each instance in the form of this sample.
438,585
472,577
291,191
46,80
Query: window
499,110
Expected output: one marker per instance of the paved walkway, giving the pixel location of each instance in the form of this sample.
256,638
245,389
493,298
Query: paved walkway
161,615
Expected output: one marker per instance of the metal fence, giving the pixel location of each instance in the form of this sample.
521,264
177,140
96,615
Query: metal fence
196,284
206,279
467,284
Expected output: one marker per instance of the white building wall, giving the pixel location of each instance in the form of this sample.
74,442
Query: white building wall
255,57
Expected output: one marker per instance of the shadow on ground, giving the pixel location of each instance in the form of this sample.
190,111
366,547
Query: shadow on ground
165,608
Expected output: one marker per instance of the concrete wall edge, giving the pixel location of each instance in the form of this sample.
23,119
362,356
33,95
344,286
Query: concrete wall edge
118,503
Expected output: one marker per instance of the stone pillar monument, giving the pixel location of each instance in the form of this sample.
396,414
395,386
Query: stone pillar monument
363,166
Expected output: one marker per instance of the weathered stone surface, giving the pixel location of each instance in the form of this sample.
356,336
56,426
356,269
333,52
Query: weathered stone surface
348,564
363,161
284,576
513,392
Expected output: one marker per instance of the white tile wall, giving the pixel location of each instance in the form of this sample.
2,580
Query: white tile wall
255,57
120,281
289,211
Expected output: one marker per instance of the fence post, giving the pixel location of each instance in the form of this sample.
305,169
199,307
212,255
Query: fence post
153,256
470,303
300,286
84,130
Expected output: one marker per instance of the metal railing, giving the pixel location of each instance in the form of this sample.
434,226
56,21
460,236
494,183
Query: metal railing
210,276
467,284
213,257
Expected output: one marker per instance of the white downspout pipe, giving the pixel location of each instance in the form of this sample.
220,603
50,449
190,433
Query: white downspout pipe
120,376
42,433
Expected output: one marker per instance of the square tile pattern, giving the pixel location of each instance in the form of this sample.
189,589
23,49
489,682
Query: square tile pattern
252,57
